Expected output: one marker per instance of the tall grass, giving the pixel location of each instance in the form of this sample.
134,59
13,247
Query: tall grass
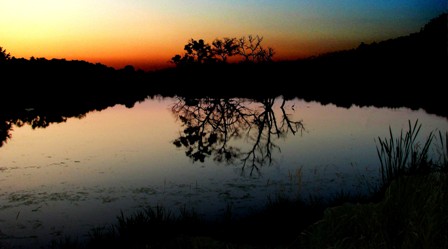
153,227
404,155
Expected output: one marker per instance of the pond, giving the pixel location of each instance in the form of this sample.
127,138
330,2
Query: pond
64,176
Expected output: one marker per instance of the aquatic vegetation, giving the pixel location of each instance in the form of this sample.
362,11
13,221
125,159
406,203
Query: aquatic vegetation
404,155
443,152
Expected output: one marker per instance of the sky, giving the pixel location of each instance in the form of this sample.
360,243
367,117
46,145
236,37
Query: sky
147,33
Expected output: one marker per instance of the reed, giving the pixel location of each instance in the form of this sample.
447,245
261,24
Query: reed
404,155
443,152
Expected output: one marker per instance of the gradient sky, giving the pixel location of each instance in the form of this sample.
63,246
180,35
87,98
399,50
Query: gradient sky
147,33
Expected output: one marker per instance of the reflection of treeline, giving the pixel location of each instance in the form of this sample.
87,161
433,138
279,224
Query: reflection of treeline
379,74
40,114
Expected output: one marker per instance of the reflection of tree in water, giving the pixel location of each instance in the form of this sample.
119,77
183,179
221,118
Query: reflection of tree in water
210,124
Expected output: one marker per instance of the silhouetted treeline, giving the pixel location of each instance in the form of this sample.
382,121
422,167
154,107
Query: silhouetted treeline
59,82
407,71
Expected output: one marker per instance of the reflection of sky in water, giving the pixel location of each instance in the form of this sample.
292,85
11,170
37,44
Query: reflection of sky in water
74,175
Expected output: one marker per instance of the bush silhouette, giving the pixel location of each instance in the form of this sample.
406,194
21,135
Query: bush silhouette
3,55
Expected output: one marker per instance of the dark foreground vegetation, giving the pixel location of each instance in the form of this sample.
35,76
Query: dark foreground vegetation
408,208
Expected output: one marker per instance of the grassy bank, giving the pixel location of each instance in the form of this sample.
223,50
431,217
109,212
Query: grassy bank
412,214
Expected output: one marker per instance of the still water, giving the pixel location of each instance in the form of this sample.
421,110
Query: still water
208,155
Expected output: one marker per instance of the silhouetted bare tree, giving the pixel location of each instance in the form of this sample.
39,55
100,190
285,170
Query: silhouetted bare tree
251,50
225,48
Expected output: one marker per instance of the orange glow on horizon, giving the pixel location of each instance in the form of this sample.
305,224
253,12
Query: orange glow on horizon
142,57
147,34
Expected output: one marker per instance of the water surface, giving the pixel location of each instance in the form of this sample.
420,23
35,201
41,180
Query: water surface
204,154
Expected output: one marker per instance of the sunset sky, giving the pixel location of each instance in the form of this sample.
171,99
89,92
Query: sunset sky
147,33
